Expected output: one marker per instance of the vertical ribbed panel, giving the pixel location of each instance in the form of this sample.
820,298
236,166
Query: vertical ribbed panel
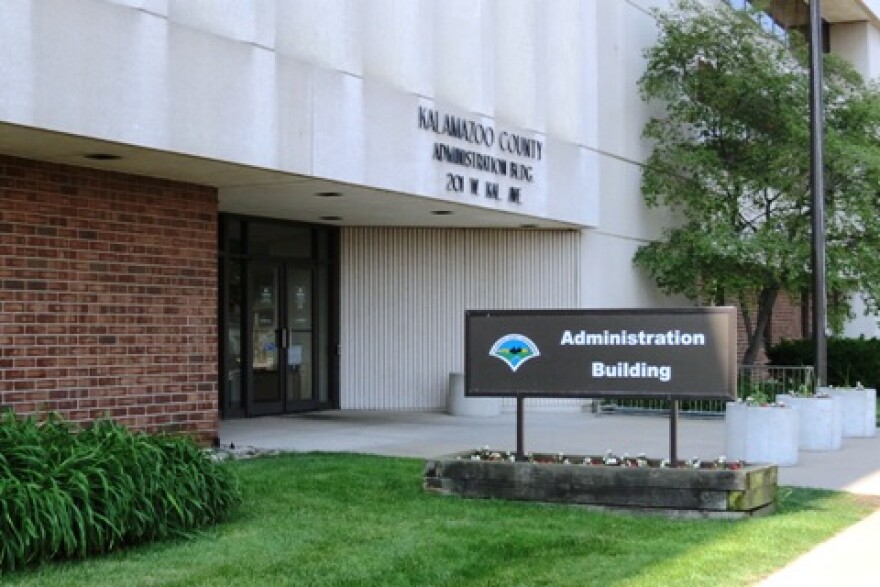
525,274
403,297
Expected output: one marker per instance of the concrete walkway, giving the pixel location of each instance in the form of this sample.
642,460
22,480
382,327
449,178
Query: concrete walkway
845,560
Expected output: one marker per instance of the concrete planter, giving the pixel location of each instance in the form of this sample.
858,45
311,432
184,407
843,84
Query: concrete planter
722,493
858,410
761,434
820,426
459,405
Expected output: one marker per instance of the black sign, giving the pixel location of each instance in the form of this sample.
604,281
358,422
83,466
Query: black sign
683,353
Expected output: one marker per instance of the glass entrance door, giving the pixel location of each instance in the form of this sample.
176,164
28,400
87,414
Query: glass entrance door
265,338
282,338
279,315
300,382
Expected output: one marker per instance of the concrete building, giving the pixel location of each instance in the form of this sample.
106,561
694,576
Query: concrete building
230,208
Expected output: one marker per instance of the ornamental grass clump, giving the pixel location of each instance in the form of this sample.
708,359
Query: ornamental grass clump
69,493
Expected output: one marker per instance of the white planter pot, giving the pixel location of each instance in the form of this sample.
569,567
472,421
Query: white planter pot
858,410
761,434
821,425
459,405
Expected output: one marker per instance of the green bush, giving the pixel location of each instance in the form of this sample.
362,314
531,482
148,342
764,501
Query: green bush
850,360
67,493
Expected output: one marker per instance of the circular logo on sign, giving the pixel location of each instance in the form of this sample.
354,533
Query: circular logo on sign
514,349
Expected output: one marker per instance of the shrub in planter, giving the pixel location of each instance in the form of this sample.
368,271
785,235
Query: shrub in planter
67,493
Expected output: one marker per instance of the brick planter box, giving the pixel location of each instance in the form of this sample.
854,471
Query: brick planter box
717,493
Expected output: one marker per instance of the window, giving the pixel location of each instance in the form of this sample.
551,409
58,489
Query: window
784,16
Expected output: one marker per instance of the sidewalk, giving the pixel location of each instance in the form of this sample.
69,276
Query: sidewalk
845,560
854,468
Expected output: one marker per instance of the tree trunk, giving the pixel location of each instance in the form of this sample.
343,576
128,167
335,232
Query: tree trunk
766,301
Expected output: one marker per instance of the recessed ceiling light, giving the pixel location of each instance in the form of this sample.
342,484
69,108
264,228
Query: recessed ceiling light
331,217
441,212
102,156
328,195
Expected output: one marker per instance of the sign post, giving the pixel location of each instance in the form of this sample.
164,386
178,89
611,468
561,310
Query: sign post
673,431
674,354
520,428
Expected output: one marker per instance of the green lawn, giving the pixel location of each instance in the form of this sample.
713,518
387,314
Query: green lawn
318,519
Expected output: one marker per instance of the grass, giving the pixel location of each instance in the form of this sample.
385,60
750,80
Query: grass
318,519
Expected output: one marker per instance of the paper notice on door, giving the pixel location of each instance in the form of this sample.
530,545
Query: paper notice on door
295,355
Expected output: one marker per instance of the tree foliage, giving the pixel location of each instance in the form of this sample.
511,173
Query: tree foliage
732,157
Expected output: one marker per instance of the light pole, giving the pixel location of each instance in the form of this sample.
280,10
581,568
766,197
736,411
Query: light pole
817,187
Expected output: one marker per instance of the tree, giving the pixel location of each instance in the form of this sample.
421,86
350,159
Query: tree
731,157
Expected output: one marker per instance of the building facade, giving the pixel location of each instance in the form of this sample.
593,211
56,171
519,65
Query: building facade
228,209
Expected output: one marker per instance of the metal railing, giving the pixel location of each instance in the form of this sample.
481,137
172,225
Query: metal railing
761,382
769,380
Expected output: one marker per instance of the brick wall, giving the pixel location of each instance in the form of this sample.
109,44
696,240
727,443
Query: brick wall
108,297
786,324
